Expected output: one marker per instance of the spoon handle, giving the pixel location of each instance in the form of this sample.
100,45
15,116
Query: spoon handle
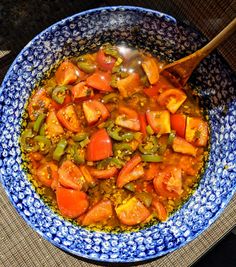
219,38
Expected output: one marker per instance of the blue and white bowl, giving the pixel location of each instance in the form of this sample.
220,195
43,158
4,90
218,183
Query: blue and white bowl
163,36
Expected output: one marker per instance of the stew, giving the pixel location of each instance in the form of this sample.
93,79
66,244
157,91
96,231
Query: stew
111,142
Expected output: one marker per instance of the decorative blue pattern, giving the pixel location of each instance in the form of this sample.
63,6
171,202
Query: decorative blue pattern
160,34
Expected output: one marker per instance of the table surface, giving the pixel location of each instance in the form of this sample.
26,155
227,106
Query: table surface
21,246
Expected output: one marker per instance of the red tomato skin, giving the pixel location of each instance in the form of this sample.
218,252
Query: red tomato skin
93,110
100,146
70,175
103,174
143,124
44,173
126,170
68,118
98,213
160,209
67,73
132,212
100,80
71,203
178,124
104,62
163,179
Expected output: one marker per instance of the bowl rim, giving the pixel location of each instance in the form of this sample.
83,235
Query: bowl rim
61,246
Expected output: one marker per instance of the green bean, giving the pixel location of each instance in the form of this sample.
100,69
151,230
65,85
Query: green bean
59,150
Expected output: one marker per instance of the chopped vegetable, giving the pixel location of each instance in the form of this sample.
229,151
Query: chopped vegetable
178,124
81,91
131,171
68,118
60,149
100,81
44,143
59,94
101,212
151,158
129,85
172,99
159,121
39,121
196,131
103,174
132,212
94,110
100,146
151,69
67,73
182,146
53,127
71,203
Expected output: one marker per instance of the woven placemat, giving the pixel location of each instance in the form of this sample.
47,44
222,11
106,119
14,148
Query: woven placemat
20,246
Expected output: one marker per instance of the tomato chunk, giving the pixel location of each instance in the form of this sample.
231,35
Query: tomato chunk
151,69
105,62
129,85
68,118
70,176
182,146
103,174
151,171
94,110
100,80
159,121
71,203
172,99
168,182
87,176
99,213
81,91
53,127
178,124
132,212
160,209
38,104
131,171
67,73
100,146
45,173
129,119
196,131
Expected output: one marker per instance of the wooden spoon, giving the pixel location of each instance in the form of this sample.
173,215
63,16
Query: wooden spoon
182,69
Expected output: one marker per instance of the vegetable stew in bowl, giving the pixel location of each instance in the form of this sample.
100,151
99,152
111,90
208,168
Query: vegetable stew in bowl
112,141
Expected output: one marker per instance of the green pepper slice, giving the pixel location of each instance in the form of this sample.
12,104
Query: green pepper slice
149,130
171,138
59,150
152,158
112,97
27,141
122,148
80,137
43,143
59,94
39,121
150,147
87,67
130,186
145,197
85,142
